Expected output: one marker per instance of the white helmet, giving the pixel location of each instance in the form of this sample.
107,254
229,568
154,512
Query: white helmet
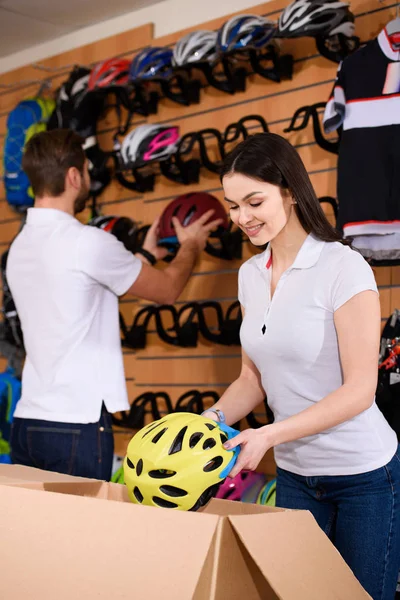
149,143
198,46
314,18
244,32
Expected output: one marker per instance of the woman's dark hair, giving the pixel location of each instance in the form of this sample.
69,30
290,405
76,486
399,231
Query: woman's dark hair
270,158
47,157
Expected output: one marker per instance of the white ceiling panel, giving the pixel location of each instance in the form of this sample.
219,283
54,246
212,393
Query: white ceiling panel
74,13
18,32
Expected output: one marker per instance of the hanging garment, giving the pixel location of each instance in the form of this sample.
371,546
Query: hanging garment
365,102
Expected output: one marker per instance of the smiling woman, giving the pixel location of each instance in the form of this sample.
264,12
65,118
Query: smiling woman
263,179
310,343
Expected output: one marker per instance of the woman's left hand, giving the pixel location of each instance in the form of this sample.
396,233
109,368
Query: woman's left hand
254,444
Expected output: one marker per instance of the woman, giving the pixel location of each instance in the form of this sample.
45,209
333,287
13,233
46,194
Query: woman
310,338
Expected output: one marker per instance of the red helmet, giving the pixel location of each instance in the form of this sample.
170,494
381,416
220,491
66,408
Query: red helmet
109,73
188,208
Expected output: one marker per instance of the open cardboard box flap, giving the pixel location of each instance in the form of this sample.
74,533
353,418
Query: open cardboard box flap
84,539
17,473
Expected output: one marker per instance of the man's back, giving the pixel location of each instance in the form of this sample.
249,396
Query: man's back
65,278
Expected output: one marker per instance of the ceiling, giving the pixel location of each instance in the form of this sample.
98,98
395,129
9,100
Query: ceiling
25,23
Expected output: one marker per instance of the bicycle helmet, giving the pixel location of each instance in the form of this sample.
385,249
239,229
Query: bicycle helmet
244,32
124,229
340,42
149,143
267,495
234,489
151,63
195,47
178,461
311,18
109,73
69,97
188,208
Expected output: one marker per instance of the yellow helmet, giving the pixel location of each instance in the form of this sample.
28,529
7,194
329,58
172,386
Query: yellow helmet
178,461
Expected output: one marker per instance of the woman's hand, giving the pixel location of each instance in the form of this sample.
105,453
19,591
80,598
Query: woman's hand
254,444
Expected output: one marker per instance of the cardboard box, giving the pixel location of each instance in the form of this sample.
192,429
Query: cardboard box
18,473
83,539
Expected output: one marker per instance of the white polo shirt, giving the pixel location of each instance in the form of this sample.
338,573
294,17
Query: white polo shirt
65,278
298,354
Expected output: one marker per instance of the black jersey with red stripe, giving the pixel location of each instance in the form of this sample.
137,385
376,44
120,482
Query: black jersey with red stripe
366,102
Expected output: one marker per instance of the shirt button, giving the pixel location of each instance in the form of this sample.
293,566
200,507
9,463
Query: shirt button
101,428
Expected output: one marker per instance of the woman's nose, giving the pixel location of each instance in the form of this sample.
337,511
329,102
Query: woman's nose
244,216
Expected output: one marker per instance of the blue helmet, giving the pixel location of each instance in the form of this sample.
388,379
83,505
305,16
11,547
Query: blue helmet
151,63
245,32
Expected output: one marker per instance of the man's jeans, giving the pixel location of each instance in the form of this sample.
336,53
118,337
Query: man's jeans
360,514
84,450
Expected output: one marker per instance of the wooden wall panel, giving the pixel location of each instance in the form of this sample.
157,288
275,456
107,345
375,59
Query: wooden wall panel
208,366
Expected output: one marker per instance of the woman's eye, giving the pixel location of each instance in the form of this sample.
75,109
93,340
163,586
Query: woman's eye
233,207
254,205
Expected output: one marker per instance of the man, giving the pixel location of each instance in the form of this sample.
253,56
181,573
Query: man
66,278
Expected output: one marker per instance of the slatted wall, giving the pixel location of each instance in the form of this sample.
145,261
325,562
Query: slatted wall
159,366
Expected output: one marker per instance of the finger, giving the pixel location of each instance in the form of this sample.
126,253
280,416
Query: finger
151,230
212,224
235,471
204,218
161,253
239,465
155,224
234,442
177,224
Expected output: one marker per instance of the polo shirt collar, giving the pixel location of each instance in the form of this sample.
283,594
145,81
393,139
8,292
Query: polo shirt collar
307,256
39,216
386,47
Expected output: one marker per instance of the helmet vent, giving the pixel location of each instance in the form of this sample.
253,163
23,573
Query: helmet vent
139,467
209,443
210,426
171,490
229,493
159,435
176,211
178,441
224,438
161,474
152,428
206,496
213,464
189,216
194,439
130,463
138,495
164,503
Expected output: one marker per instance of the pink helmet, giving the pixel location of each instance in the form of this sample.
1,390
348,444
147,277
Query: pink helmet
242,483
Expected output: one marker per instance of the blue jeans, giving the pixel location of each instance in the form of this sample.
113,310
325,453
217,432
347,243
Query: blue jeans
361,516
83,450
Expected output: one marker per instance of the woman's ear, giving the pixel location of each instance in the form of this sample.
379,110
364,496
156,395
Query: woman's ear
290,197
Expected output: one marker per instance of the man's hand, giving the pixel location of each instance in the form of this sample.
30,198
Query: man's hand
150,241
198,231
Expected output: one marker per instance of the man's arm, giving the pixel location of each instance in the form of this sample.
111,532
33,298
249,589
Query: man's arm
164,287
